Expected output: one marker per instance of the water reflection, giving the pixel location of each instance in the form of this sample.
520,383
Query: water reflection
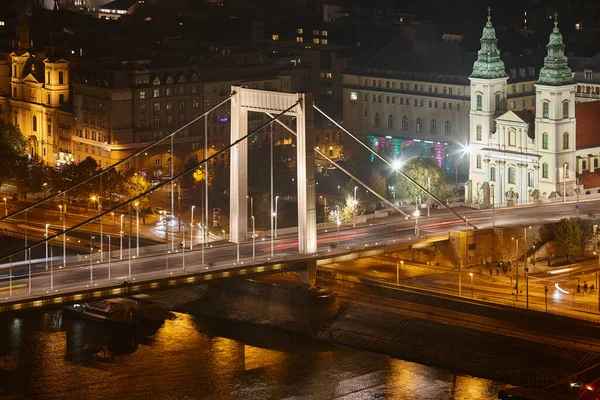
198,358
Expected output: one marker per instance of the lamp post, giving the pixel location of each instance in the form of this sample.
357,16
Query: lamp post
428,195
338,223
192,229
275,215
183,247
46,236
416,214
577,193
493,206
471,276
598,282
355,208
5,207
137,229
517,267
121,233
63,217
253,239
108,237
565,165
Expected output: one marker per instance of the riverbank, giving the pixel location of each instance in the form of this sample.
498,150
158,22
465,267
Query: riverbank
386,328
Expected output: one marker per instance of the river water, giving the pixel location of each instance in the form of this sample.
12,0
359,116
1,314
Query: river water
48,356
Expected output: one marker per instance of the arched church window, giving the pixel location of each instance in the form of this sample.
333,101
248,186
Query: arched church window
565,110
545,170
376,120
34,123
479,102
512,137
565,140
498,100
478,130
545,109
545,141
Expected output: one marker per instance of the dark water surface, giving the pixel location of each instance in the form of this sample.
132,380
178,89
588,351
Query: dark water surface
46,356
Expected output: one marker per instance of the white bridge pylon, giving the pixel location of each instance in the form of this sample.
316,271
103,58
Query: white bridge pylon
265,101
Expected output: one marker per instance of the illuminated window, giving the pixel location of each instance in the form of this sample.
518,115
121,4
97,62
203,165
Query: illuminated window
299,39
316,40
1,23
353,96
323,41
142,95
299,31
545,141
315,32
324,33
512,175
545,170
275,37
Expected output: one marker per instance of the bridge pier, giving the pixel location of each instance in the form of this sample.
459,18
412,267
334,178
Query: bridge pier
308,274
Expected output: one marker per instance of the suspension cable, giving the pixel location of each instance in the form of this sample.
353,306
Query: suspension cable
113,166
166,182
396,169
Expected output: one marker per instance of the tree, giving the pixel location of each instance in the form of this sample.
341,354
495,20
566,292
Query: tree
378,183
13,148
419,169
134,186
568,236
346,212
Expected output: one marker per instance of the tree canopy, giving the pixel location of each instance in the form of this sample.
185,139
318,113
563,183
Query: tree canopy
568,236
12,150
419,169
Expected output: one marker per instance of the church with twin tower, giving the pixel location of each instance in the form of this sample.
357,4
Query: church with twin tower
523,156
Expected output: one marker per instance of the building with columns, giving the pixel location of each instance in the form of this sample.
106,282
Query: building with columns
37,99
530,155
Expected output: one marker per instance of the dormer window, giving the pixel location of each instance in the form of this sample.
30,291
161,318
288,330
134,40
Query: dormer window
588,74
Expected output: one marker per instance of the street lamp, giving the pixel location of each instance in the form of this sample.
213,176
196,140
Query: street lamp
338,223
275,215
5,207
493,206
565,166
108,236
517,267
46,236
416,214
63,218
428,194
121,233
355,208
253,239
192,229
137,228
471,275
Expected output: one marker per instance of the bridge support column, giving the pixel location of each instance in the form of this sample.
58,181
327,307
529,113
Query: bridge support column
305,156
308,275
238,202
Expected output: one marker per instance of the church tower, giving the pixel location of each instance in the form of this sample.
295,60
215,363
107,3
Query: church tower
555,120
488,98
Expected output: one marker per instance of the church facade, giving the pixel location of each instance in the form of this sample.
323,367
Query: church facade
529,155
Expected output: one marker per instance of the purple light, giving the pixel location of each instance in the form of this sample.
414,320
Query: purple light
223,118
